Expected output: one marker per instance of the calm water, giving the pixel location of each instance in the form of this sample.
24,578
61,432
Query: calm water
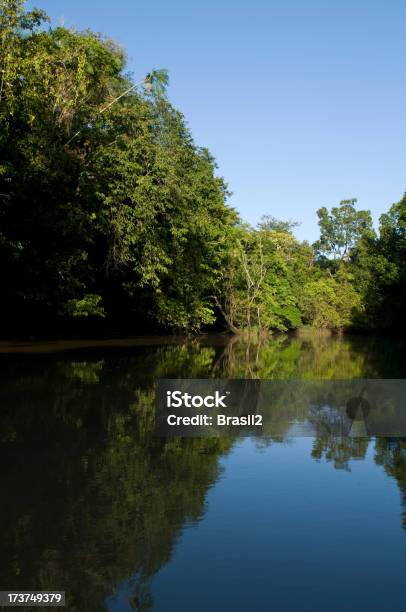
94,504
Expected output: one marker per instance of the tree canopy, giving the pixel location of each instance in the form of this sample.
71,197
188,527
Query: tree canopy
113,218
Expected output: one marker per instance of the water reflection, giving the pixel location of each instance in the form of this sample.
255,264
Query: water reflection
91,500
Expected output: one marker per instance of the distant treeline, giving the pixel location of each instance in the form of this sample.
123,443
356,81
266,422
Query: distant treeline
112,218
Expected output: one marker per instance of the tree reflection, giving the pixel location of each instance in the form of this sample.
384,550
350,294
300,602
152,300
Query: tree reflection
311,355
391,454
91,499
340,450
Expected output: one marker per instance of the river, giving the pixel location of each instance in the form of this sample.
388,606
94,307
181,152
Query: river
95,504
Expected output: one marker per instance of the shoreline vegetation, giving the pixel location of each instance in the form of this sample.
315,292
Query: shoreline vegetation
113,222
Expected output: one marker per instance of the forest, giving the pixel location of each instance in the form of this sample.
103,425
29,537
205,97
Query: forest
112,219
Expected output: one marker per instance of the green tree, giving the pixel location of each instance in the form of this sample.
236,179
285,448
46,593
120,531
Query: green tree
260,281
270,223
103,192
111,214
380,268
331,301
341,229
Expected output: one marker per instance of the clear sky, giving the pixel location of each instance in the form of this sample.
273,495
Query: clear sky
302,102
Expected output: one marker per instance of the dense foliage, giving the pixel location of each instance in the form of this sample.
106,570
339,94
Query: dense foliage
107,206
111,215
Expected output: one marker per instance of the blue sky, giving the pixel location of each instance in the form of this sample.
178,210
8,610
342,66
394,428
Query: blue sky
302,102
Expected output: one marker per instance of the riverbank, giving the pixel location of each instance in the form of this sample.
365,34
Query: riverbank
217,339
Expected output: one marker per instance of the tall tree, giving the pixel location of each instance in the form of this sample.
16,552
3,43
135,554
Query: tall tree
341,229
107,208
